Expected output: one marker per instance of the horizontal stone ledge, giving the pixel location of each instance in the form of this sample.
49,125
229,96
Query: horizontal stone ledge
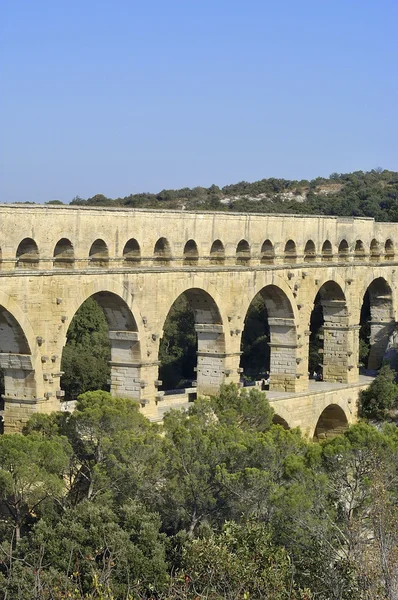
208,328
283,345
216,354
16,361
132,336
281,321
116,363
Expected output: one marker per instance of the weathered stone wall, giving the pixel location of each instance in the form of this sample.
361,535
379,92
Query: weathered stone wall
54,258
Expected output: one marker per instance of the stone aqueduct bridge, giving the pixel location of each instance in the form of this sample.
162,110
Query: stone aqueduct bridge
136,263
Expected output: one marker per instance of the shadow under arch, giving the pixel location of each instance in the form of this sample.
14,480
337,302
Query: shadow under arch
125,350
329,333
64,255
207,325
332,421
27,255
270,313
377,320
278,420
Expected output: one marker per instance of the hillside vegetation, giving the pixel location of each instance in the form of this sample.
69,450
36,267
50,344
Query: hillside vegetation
362,194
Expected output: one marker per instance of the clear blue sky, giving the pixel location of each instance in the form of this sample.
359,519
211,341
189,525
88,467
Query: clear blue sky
127,96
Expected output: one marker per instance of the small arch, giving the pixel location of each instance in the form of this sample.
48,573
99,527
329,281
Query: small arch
98,255
132,252
374,251
359,251
64,256
27,254
242,253
290,253
309,251
217,253
343,250
191,254
327,252
389,250
162,252
332,422
277,420
267,253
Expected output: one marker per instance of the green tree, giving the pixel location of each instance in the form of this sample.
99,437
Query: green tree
381,397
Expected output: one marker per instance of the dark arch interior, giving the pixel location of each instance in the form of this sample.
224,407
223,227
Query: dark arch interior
192,323
309,251
267,253
99,255
389,250
327,252
277,420
191,254
64,254
102,345
27,254
162,252
377,323
290,252
343,250
269,305
132,252
243,253
374,250
15,381
217,253
329,307
332,422
359,250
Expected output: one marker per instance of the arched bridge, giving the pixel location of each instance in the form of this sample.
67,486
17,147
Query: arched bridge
136,263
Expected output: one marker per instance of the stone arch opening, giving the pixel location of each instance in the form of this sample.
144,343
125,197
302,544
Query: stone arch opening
309,251
327,251
17,374
377,323
64,255
359,252
27,256
99,254
243,253
267,253
191,254
332,422
102,348
217,253
193,341
290,252
277,420
329,358
132,252
343,250
162,252
269,340
389,250
374,251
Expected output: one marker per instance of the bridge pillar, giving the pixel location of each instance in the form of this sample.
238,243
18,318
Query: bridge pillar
283,364
211,358
125,364
20,400
380,332
340,353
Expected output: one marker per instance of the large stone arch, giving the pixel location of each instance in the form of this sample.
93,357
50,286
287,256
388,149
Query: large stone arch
209,327
282,416
337,359
283,335
124,334
19,360
382,322
333,420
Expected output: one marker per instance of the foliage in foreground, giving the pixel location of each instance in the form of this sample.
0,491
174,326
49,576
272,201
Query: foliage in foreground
219,503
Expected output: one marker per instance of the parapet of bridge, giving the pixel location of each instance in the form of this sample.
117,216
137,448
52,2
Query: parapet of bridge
136,263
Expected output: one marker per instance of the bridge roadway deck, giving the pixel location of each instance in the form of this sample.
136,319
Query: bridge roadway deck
318,394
